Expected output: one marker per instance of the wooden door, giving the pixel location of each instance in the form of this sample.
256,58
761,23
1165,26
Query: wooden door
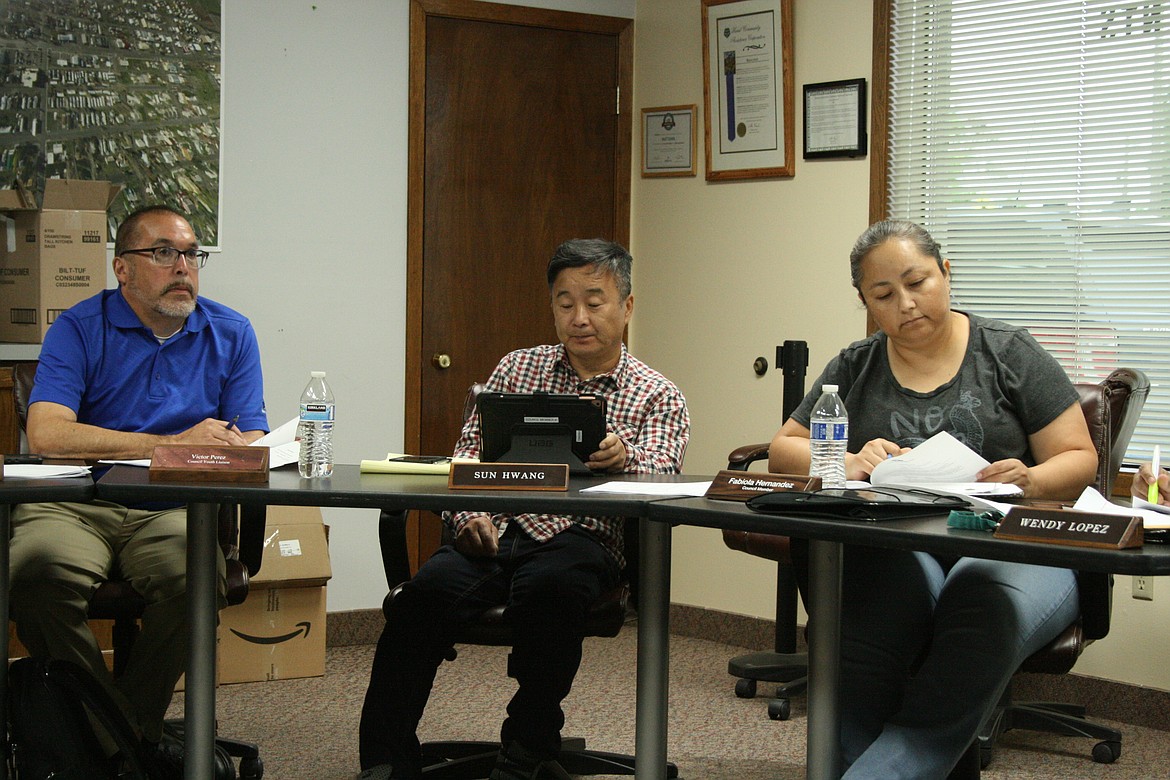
520,139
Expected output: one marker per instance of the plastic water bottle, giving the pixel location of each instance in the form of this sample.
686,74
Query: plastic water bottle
829,426
315,429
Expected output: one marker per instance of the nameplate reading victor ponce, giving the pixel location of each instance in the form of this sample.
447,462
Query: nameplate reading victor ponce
208,463
1079,529
509,476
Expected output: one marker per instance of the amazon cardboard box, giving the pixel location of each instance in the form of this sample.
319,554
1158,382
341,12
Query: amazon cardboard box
279,631
53,256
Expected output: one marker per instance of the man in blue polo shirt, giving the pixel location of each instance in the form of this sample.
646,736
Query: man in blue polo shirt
145,364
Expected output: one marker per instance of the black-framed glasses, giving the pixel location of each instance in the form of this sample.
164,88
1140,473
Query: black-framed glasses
167,256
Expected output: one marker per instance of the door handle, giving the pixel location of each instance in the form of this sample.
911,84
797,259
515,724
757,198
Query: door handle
441,361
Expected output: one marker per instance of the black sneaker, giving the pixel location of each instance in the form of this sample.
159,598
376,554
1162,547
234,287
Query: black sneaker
516,762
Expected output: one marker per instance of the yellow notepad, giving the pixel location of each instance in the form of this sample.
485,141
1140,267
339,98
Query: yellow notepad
390,466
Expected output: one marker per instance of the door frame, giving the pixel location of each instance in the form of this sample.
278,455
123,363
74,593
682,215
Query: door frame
420,10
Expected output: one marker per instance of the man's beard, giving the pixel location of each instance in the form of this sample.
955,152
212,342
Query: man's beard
162,305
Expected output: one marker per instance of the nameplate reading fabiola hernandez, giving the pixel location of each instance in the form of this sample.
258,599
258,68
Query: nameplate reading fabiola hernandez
742,485
1079,529
208,463
509,476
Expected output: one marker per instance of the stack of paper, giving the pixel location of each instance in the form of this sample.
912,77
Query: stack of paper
941,463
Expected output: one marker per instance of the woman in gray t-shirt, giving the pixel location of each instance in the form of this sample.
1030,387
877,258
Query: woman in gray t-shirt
928,645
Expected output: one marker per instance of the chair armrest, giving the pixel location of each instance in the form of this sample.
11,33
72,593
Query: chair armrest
252,519
395,553
740,458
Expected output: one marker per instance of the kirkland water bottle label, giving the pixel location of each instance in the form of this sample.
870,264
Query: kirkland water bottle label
825,431
317,412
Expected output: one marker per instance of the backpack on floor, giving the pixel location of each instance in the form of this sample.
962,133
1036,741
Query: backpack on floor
51,734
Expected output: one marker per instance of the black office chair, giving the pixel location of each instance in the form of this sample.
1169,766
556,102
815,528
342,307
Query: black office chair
241,537
1112,409
468,760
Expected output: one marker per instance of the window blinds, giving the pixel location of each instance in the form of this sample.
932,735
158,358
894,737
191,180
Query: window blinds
1032,139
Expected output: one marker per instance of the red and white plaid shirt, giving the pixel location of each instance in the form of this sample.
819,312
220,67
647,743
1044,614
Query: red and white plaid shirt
644,409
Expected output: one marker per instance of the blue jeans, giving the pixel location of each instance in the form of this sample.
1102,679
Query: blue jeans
928,648
548,588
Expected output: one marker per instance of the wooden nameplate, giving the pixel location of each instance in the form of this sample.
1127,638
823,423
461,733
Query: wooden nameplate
742,485
208,463
509,476
1079,529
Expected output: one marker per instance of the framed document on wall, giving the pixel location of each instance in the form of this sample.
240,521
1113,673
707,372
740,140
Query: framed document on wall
748,89
834,119
668,141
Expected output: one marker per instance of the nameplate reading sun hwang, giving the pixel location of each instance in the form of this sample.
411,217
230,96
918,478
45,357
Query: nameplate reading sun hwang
1079,529
742,485
208,463
509,476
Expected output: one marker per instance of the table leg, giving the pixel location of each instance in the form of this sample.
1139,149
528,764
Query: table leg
199,710
824,643
5,534
653,650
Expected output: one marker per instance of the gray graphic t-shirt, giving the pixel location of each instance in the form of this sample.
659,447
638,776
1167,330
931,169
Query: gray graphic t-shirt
1007,388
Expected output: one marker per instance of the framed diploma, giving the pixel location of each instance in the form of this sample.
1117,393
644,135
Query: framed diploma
668,141
834,119
747,89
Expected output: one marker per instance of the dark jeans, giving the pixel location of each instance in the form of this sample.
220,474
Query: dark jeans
548,588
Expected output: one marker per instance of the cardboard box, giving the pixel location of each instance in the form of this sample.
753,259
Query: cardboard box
51,257
279,631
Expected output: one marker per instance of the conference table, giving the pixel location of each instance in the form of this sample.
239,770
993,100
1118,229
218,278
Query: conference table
15,491
826,539
348,487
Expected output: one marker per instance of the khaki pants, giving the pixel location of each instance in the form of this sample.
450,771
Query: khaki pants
60,553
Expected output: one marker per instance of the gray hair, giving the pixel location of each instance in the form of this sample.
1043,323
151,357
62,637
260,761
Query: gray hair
604,256
880,232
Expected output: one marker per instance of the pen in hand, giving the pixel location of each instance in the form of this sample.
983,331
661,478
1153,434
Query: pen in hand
230,425
1156,468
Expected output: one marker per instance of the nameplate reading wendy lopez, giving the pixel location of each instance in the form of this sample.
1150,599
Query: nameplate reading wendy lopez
509,476
1080,529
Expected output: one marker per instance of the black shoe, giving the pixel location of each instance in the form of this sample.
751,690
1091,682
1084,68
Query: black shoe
516,762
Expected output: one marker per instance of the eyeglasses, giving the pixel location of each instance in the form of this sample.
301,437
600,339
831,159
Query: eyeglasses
167,256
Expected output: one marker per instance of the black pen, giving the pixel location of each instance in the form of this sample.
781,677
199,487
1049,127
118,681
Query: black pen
233,422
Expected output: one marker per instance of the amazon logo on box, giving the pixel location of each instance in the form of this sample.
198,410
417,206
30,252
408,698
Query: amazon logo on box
278,632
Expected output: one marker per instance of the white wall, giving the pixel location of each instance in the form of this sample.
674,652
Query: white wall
314,227
726,271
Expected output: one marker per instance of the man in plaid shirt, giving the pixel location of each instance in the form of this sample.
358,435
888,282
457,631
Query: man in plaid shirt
547,569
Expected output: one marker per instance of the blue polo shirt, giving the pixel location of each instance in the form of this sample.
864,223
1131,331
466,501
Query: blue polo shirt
99,360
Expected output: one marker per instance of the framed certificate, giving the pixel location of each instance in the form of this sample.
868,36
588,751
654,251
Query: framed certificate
747,89
834,119
668,141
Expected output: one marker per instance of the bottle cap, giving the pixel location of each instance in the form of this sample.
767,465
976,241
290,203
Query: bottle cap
828,388
317,374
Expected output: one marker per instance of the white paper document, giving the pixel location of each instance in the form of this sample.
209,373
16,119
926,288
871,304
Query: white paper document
38,471
941,458
282,444
696,489
1152,519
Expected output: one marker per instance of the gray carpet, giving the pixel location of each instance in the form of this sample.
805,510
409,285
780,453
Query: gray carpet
307,729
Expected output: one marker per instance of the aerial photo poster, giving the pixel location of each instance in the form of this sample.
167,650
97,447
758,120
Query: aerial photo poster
120,90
